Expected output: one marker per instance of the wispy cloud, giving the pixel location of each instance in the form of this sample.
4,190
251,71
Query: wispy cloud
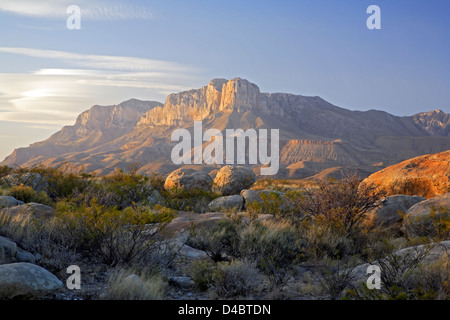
101,61
56,95
90,9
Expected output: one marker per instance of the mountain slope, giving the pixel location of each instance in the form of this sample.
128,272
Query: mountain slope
315,136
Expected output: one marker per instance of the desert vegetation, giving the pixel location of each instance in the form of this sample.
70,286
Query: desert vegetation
132,238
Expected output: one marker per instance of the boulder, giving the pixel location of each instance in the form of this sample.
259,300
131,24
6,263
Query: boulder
26,281
7,202
389,209
35,210
227,204
188,179
30,179
10,252
419,218
231,180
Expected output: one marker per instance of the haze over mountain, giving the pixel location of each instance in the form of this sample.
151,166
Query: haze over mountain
316,137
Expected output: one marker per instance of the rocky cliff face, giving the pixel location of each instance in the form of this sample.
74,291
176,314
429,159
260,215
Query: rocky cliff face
315,136
219,95
434,122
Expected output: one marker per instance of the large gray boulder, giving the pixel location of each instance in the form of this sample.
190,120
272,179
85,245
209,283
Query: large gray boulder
188,179
390,209
7,202
419,219
35,210
227,204
231,180
26,281
10,252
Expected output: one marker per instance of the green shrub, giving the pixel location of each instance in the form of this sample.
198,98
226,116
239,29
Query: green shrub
234,279
5,170
219,241
195,200
116,236
275,247
201,272
27,194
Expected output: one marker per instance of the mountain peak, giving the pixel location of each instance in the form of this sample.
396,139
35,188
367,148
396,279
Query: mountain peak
219,95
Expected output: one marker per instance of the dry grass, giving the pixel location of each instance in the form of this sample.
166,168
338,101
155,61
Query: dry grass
125,284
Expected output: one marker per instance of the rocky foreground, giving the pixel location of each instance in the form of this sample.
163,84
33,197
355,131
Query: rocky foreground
405,217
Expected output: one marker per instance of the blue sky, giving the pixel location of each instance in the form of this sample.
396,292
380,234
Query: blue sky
147,49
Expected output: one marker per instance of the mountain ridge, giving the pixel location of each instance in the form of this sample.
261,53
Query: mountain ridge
315,135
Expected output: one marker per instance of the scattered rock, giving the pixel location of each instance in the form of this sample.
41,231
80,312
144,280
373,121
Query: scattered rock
418,221
10,252
35,210
387,213
227,204
7,202
182,282
188,179
26,281
231,180
9,246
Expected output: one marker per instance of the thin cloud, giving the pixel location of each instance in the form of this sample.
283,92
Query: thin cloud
101,61
91,10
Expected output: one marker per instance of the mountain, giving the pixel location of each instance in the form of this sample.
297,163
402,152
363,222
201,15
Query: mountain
427,176
316,137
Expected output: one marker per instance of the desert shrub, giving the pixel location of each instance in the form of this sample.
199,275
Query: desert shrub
274,247
125,284
58,183
234,279
219,241
432,227
195,200
336,279
411,186
410,276
201,272
327,238
272,203
441,223
343,202
27,194
5,170
55,247
116,236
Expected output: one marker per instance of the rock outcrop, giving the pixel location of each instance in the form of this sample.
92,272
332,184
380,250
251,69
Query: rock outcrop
26,281
227,204
427,176
231,180
8,201
188,179
419,218
391,209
